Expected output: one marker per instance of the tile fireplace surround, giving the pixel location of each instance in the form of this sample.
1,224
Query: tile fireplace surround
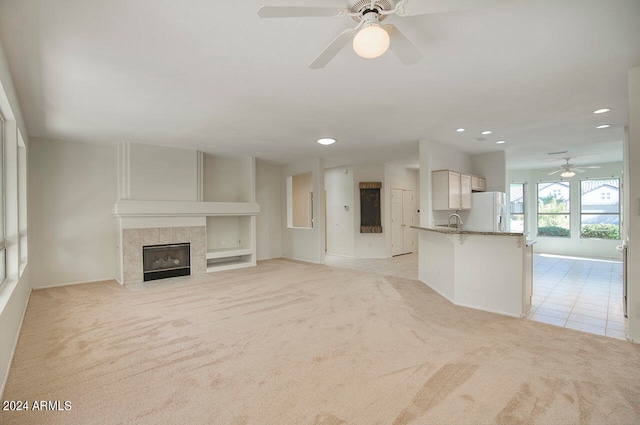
134,239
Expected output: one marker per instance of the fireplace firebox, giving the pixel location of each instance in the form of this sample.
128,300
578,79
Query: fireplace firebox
163,261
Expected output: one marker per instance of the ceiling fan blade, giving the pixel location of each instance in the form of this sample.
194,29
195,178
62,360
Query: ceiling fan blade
425,7
300,12
333,49
404,49
554,172
579,170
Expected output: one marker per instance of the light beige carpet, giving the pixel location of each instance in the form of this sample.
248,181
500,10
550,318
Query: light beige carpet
294,343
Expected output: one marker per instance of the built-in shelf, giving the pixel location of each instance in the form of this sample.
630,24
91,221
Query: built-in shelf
228,252
230,262
230,242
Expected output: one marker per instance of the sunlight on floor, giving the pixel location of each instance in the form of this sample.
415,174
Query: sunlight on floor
566,257
579,293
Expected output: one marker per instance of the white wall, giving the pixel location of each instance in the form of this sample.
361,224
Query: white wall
15,291
343,224
226,179
633,219
228,232
442,157
435,156
269,221
575,245
493,167
437,267
158,173
72,188
341,201
342,185
371,245
305,244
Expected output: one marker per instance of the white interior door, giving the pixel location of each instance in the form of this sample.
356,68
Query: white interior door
396,222
407,222
402,237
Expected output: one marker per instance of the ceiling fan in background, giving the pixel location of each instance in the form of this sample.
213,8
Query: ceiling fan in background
570,170
370,38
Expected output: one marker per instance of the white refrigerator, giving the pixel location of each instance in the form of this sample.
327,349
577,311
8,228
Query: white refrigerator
488,212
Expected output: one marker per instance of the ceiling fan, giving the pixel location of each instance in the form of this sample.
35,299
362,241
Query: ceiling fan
370,38
570,170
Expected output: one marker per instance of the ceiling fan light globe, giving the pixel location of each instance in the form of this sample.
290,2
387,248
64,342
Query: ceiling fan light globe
568,174
371,42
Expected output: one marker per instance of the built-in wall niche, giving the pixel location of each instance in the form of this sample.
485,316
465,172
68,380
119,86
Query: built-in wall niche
227,179
228,232
370,211
300,200
230,242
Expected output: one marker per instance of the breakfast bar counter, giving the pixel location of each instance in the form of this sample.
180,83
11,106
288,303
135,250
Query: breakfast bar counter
490,271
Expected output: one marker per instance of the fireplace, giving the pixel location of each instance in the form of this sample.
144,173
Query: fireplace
163,261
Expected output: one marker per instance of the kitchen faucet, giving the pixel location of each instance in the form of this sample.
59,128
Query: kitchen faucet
459,220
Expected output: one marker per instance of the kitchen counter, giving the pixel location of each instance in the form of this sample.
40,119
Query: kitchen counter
456,231
490,271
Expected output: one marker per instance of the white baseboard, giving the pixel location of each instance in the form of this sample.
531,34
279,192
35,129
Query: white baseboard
75,283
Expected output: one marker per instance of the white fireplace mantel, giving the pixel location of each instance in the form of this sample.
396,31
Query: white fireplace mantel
131,208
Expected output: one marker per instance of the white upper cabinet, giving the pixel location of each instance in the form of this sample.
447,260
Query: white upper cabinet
450,190
478,184
465,191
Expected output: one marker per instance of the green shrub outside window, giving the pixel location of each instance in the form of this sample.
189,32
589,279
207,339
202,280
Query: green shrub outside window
600,208
554,209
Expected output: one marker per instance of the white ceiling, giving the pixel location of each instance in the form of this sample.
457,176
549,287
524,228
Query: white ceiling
213,76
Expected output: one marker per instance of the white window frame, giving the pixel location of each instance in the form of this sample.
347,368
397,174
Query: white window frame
524,205
604,197
539,214
3,210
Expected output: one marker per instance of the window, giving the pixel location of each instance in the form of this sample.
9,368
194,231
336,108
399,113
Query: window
516,207
22,202
600,209
3,251
554,209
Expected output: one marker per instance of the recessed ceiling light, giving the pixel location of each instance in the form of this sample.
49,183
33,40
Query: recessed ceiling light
500,142
604,126
326,141
460,130
601,111
486,132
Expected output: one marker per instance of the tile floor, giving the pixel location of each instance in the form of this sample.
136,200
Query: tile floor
579,293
